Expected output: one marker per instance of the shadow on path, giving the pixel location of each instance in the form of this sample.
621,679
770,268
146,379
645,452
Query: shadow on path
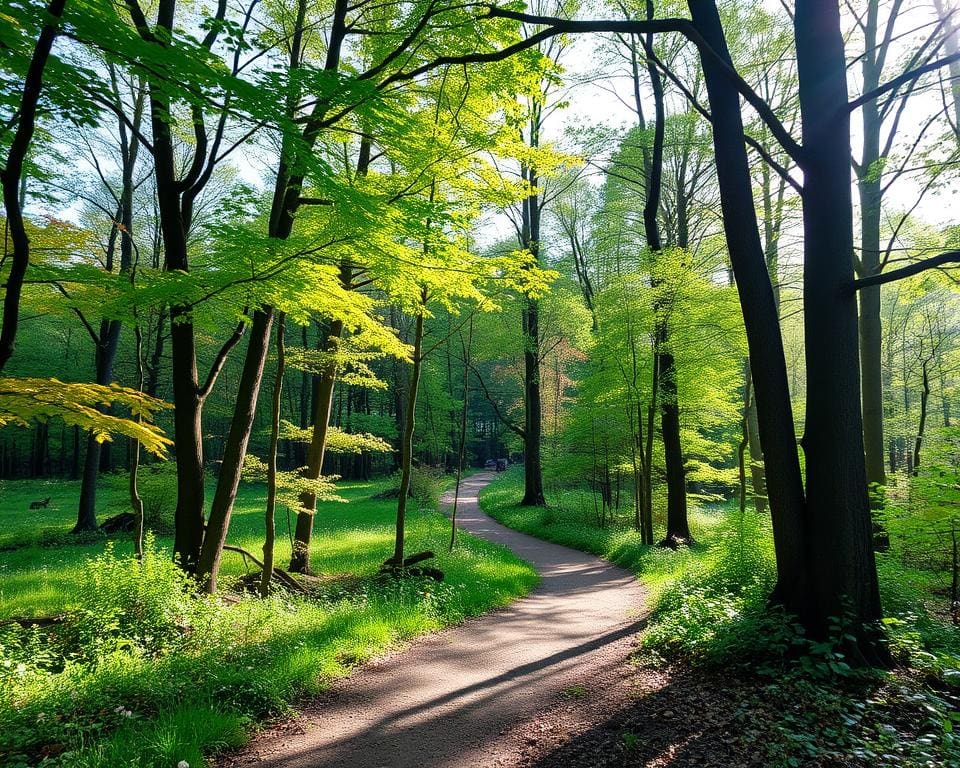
451,697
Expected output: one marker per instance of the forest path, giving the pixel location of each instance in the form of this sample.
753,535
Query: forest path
475,695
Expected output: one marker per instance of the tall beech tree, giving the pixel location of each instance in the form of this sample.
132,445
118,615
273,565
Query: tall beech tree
176,195
880,124
106,338
12,178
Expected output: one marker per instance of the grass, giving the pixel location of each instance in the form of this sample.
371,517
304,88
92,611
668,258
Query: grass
124,698
711,613
567,521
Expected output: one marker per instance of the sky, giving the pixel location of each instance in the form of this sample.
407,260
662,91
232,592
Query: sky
596,99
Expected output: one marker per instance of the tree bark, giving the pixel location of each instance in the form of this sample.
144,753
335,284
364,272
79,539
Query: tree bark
533,418
235,449
11,179
270,513
760,314
406,459
466,349
869,181
323,405
533,407
678,530
840,558
107,344
922,426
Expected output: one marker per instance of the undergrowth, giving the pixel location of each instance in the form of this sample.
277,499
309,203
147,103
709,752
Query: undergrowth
710,610
143,670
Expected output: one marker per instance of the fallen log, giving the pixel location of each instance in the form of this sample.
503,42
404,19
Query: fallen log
278,573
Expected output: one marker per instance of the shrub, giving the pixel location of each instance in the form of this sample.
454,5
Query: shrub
426,487
147,605
718,613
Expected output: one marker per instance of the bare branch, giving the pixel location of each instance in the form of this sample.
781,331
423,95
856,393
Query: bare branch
949,257
221,358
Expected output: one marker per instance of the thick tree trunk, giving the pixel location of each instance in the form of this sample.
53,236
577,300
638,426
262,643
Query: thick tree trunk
840,557
760,314
532,403
187,445
678,530
188,404
533,418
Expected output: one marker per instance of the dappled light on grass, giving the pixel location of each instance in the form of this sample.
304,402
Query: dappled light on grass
569,520
193,672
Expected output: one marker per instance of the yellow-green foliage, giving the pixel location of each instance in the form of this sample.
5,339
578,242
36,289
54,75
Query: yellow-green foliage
23,401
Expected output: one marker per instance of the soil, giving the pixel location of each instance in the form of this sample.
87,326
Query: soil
483,693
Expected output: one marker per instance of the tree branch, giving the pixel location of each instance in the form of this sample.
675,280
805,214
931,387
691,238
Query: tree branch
557,26
949,257
486,393
906,77
221,358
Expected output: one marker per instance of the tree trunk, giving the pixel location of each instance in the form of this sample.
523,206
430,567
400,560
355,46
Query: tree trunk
533,413
921,428
323,406
753,446
406,458
678,530
12,178
109,341
869,184
532,404
286,201
235,449
187,445
760,314
136,502
270,514
465,349
840,558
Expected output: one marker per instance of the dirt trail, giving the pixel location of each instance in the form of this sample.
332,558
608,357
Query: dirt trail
471,696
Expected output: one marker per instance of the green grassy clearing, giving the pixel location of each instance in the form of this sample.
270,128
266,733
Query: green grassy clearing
567,521
165,680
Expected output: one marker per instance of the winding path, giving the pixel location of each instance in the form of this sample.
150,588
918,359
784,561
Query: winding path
466,696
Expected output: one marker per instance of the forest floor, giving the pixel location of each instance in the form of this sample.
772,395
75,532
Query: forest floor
559,680
484,693
140,675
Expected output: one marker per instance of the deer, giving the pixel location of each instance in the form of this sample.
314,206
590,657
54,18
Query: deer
40,504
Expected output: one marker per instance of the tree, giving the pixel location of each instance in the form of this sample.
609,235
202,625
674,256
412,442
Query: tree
106,339
12,175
